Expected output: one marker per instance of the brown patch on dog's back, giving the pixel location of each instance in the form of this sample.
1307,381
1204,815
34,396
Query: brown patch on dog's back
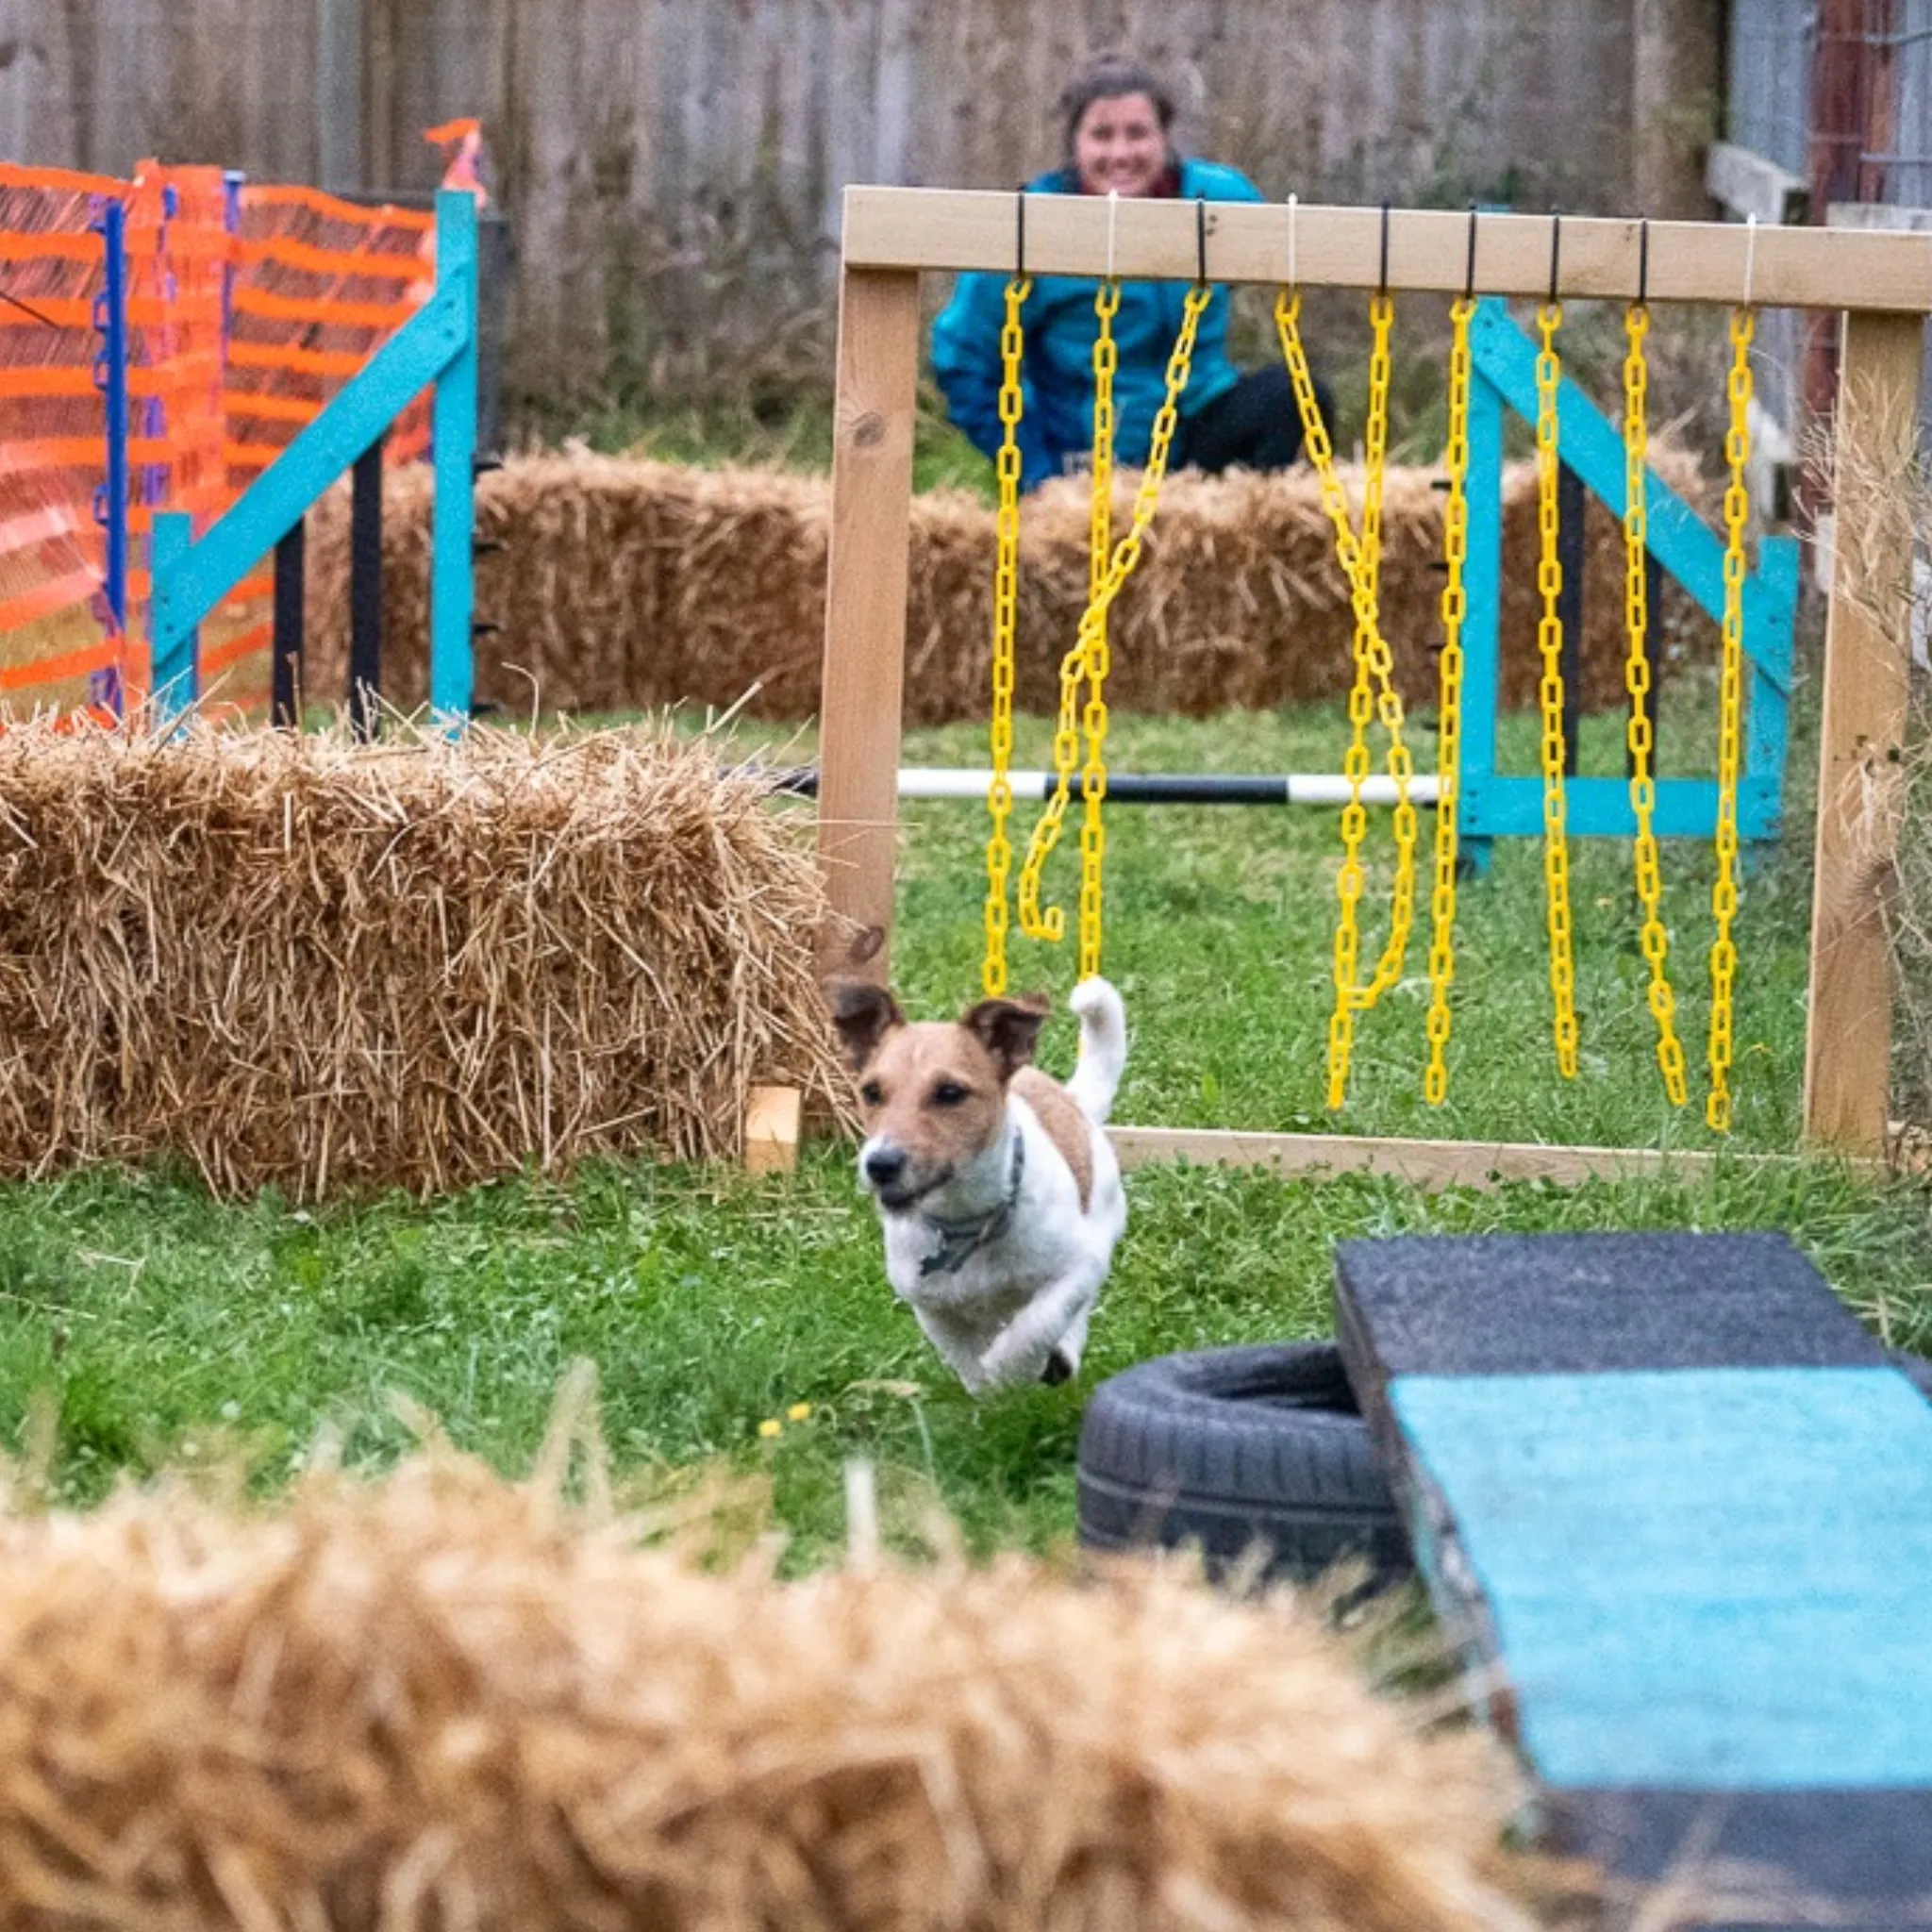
1066,1126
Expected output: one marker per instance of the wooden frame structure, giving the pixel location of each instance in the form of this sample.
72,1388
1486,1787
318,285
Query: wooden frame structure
1880,283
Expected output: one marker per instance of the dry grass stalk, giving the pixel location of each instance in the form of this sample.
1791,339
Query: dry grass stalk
634,584
445,1701
417,963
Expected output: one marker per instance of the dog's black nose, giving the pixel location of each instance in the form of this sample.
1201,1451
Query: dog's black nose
884,1165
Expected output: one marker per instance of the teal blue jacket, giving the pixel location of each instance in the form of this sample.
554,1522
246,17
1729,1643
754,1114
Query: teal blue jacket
1060,327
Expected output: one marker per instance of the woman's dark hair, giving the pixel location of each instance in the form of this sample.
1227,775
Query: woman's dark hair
1107,77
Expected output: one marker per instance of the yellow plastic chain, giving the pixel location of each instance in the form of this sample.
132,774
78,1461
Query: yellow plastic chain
1549,636
1730,706
1449,706
1050,924
1373,688
1639,734
1381,663
1006,581
1107,302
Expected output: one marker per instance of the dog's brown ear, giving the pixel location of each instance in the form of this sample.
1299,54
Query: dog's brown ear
1008,1029
863,1015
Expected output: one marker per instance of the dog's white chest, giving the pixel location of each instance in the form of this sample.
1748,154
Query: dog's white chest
1049,1247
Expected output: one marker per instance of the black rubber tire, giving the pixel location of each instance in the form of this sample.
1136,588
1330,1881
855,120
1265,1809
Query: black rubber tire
1225,1448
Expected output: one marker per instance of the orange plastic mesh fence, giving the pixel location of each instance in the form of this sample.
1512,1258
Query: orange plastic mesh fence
55,627
319,284
247,313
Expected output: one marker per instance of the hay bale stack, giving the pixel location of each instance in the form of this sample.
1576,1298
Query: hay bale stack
446,1702
298,960
619,586
635,585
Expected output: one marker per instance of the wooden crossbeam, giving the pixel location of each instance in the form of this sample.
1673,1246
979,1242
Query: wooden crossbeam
1427,249
1422,1163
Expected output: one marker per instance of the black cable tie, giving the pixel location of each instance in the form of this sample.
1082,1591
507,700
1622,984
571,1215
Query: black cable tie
1201,239
1382,283
1469,270
1644,261
28,308
1556,245
1019,236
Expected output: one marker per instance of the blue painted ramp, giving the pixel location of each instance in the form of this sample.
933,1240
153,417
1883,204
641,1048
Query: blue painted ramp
1677,1507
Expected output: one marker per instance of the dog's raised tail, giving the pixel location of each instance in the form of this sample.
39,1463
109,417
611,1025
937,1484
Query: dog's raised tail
1103,1048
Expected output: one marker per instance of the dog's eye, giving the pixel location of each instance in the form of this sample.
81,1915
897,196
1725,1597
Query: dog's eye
948,1093
872,1093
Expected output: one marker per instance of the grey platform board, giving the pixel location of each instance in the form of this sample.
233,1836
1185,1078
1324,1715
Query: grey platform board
1671,1498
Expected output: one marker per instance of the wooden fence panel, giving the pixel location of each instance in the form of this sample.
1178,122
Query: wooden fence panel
673,169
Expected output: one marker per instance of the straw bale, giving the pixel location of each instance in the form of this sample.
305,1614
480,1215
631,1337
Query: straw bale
635,585
443,1701
416,963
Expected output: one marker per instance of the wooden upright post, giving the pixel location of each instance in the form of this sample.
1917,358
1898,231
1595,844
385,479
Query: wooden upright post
1866,646
865,606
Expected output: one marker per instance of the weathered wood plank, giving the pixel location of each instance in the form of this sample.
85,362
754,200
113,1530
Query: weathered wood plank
614,123
1482,1164
1342,247
865,603
1868,642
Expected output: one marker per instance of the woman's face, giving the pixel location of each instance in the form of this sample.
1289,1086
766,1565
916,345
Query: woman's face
1118,146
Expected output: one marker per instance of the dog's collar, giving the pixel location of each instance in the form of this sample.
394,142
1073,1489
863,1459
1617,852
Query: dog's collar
959,1241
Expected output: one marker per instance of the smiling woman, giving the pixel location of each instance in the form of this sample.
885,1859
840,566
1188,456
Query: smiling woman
1118,118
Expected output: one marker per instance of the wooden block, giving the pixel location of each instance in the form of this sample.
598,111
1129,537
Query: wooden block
771,1130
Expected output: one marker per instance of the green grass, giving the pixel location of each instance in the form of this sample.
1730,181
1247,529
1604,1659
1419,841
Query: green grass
153,1324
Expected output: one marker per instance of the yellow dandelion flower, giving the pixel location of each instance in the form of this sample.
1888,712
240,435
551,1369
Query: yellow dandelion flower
798,1412
770,1426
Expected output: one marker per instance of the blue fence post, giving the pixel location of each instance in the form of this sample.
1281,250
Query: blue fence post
453,435
110,496
177,646
1770,623
1482,621
233,180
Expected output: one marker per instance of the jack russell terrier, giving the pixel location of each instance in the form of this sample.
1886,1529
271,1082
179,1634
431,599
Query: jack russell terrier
998,1187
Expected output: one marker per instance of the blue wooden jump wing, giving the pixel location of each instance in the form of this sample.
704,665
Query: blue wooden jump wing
434,346
1679,1507
1494,804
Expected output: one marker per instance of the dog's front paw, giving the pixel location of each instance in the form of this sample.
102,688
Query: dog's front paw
1009,1364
